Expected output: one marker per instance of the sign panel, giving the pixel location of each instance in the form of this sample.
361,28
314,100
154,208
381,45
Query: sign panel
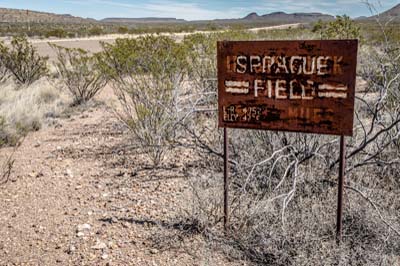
301,86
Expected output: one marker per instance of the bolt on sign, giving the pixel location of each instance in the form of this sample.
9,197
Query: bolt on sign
301,86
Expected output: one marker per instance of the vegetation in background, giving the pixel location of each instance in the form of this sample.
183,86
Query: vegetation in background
147,75
341,28
23,61
283,185
79,72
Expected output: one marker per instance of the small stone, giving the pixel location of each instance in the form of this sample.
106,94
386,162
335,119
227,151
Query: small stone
153,251
33,174
90,213
104,256
71,249
83,227
59,148
69,173
80,234
99,245
37,144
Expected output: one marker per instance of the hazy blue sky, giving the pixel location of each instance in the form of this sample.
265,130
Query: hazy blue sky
195,9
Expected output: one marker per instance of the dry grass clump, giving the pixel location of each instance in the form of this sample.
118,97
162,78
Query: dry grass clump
27,109
283,187
79,73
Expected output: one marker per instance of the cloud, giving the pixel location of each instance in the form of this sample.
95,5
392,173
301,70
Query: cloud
189,11
164,8
204,10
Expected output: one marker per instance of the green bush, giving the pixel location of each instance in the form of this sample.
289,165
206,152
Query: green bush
59,33
95,31
341,28
147,75
123,30
79,72
23,61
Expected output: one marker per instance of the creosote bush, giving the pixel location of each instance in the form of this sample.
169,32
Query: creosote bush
147,75
283,185
341,28
79,72
23,61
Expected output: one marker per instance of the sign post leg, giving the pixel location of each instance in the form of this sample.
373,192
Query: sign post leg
226,187
342,168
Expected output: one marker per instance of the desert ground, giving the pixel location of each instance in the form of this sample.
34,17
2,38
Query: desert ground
92,44
83,193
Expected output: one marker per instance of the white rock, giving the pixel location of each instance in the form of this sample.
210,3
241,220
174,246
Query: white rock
69,173
99,245
104,256
84,227
72,249
80,234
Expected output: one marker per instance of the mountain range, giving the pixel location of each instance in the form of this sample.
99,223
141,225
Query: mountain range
8,15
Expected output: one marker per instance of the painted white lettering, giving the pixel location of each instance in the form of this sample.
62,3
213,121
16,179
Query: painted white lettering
281,65
293,85
293,66
322,65
255,64
268,61
241,61
308,65
258,85
280,86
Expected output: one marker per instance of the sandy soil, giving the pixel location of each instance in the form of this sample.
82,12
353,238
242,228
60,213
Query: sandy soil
81,194
92,44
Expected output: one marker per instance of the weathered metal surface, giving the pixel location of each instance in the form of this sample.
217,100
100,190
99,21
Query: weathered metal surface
342,169
226,180
301,86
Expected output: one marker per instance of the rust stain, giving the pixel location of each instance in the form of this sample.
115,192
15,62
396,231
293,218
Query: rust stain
301,86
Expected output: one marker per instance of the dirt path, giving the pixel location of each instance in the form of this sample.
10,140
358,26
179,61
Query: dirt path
82,196
92,44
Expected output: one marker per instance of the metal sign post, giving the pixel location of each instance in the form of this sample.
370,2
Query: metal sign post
226,180
297,86
342,168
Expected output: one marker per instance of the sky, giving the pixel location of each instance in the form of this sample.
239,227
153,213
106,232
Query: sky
196,9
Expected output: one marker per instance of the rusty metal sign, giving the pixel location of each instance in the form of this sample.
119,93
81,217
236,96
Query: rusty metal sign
301,86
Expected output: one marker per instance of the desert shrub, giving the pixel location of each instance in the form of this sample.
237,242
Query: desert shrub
283,185
123,30
95,31
6,166
59,33
79,72
148,75
23,61
341,28
6,161
4,72
23,111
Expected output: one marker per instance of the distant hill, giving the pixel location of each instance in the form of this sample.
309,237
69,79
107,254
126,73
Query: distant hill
393,13
284,17
277,17
142,20
9,15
